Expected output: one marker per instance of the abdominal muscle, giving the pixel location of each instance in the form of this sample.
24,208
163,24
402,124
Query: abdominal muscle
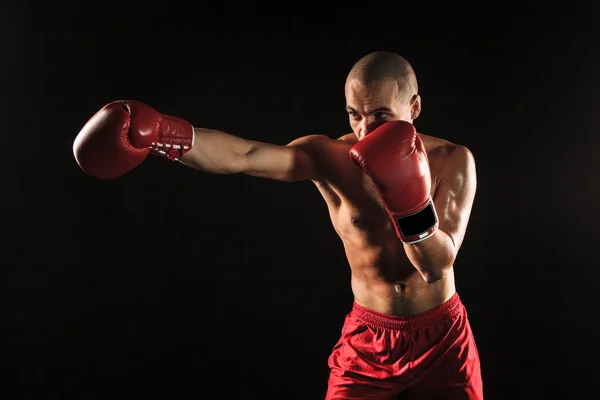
384,280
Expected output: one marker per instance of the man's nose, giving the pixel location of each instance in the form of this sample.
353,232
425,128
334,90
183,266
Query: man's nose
367,126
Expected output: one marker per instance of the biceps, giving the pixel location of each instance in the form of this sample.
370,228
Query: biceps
284,163
453,204
453,213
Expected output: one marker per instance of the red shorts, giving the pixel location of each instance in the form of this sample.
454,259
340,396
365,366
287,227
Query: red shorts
431,355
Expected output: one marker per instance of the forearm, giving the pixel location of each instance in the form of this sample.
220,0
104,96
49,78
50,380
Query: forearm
433,256
217,152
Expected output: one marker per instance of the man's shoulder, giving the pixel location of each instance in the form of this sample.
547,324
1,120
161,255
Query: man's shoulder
348,138
322,142
445,149
448,158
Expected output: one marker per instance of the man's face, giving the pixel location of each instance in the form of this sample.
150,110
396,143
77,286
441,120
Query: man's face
370,106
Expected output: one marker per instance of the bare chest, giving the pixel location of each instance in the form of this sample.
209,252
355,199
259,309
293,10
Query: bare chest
354,203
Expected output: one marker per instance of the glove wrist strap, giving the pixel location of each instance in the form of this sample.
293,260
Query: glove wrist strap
419,226
176,138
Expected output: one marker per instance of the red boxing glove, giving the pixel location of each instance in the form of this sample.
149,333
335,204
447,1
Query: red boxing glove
394,157
120,136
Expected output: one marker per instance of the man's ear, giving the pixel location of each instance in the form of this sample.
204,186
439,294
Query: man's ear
415,106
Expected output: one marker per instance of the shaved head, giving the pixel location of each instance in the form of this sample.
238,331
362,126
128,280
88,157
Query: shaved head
381,87
380,66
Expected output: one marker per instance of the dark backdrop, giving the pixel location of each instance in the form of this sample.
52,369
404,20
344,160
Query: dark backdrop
174,283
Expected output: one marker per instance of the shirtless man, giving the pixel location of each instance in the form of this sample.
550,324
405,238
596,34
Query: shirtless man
400,202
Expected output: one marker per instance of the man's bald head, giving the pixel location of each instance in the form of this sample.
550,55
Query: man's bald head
380,66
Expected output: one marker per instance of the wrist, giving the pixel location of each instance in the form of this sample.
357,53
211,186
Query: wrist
416,226
176,137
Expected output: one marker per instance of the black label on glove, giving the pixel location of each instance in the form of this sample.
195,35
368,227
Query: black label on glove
418,223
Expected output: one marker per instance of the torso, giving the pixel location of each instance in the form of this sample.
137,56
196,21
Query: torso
383,278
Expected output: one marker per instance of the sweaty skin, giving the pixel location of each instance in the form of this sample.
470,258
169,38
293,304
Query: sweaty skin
387,276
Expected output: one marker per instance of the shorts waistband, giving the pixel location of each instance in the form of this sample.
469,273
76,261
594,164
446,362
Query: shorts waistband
447,310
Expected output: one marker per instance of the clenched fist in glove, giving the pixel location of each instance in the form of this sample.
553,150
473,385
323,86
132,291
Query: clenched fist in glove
394,157
120,136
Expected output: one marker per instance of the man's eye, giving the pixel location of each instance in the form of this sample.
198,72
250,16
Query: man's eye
381,115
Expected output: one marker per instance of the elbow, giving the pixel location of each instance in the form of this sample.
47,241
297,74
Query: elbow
435,273
240,158
433,276
436,260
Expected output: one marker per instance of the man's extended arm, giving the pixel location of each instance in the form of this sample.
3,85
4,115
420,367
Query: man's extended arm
122,134
222,153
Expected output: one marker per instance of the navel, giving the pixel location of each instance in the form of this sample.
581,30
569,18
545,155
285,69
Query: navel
399,288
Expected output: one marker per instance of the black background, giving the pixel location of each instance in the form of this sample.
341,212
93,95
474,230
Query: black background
173,283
